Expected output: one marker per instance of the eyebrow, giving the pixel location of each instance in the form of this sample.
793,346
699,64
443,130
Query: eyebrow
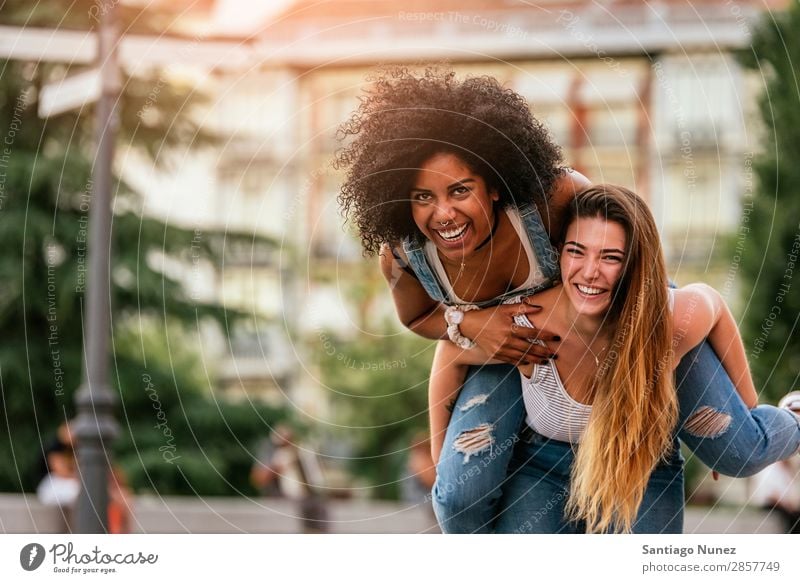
609,250
456,183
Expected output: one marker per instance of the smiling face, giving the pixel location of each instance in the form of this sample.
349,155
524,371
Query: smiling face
592,263
452,206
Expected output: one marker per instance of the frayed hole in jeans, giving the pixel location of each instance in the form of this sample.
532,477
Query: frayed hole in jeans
474,441
707,422
474,402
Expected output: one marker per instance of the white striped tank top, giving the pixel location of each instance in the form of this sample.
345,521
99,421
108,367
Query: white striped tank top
550,411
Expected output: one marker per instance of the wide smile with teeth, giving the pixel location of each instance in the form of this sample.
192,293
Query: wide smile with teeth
452,234
589,291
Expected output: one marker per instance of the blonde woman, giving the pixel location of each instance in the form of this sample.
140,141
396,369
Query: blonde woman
600,452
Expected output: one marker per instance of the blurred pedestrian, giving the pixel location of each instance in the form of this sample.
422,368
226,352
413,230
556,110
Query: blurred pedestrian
293,472
60,484
119,502
777,489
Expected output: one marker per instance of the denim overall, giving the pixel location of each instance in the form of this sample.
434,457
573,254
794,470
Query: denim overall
547,270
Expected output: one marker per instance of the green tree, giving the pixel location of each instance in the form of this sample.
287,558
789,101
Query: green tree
45,185
380,383
770,260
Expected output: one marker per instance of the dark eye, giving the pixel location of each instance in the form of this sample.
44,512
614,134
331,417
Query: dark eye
421,197
461,190
573,251
613,258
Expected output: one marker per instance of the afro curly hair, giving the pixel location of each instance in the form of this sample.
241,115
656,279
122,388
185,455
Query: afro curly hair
405,118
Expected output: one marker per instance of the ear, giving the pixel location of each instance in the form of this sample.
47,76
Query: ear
494,195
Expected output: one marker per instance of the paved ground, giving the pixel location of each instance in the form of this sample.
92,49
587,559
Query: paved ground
730,520
23,514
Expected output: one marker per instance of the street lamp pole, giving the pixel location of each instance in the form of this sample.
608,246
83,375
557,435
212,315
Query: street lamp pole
95,426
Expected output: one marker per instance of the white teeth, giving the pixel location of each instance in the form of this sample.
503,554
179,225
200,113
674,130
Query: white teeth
452,233
589,291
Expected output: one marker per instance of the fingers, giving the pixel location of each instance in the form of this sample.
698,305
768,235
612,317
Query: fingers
523,308
531,302
538,352
513,355
531,334
526,346
526,353
519,358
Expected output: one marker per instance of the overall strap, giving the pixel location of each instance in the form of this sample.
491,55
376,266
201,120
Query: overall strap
540,242
414,250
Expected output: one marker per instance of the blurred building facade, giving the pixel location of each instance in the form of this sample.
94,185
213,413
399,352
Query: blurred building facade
645,94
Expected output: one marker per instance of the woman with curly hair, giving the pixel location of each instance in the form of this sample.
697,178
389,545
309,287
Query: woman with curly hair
460,190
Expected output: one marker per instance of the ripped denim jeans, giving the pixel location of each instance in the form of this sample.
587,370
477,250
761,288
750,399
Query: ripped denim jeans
489,416
536,491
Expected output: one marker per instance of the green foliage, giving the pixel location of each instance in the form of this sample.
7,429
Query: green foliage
770,264
45,188
380,384
175,436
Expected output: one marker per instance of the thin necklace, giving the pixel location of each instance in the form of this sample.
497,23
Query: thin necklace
483,244
460,271
596,356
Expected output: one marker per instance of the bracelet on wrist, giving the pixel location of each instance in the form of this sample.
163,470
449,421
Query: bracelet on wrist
454,315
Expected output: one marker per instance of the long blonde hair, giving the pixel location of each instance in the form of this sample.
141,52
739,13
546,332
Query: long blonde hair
634,407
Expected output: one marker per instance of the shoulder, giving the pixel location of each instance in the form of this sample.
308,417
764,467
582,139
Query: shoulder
394,262
394,252
567,185
570,183
694,313
694,300
391,256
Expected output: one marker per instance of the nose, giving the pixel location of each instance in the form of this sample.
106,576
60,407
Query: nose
591,268
445,213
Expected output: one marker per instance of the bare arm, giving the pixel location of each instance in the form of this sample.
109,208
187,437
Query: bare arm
700,312
492,328
447,376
